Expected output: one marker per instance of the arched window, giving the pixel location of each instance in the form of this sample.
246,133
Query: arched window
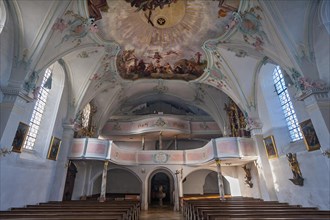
38,112
287,107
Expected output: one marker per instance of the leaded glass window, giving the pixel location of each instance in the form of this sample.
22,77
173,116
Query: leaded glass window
37,113
287,107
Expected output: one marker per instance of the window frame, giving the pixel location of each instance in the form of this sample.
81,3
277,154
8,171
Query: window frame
37,113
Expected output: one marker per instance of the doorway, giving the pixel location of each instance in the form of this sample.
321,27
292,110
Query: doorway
69,182
161,179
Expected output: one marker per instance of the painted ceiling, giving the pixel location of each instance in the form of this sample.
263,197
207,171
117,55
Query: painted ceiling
186,52
165,42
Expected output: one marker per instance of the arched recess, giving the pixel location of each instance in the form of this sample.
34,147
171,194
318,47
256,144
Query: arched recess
69,181
164,177
211,184
2,15
120,182
205,181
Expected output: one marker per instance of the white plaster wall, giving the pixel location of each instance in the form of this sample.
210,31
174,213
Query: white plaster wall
232,176
24,181
195,181
31,172
313,165
315,192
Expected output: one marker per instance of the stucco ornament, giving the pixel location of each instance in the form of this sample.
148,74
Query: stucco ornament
160,157
74,26
77,122
305,85
249,24
30,84
252,123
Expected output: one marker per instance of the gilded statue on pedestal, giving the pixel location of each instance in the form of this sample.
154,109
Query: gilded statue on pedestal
294,165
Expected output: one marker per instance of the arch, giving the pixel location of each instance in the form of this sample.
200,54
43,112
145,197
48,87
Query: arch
204,179
325,14
3,15
161,173
211,184
120,181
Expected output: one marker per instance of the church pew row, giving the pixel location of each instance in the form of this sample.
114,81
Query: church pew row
113,210
134,206
189,206
231,208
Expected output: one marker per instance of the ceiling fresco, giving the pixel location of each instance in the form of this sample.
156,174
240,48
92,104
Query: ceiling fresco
164,39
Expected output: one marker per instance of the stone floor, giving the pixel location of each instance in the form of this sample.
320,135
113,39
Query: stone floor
161,213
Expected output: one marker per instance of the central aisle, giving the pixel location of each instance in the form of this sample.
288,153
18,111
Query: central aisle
161,213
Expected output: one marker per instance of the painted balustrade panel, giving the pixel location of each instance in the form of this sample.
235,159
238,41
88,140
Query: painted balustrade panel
246,147
146,125
97,148
157,123
230,147
227,147
205,128
200,155
122,156
78,147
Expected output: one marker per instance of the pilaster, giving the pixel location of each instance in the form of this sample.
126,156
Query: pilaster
13,109
317,102
104,182
220,180
266,181
61,165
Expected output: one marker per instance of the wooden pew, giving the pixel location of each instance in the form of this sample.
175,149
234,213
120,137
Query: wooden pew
240,208
113,210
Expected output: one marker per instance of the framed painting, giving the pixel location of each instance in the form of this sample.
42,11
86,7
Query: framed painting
20,136
54,148
310,137
270,147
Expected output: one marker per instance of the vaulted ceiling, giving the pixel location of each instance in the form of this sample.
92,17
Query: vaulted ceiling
193,54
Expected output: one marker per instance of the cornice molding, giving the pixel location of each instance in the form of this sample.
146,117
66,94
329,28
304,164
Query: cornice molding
11,92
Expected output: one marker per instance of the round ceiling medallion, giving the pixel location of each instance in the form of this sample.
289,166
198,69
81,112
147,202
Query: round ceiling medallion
166,17
161,21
